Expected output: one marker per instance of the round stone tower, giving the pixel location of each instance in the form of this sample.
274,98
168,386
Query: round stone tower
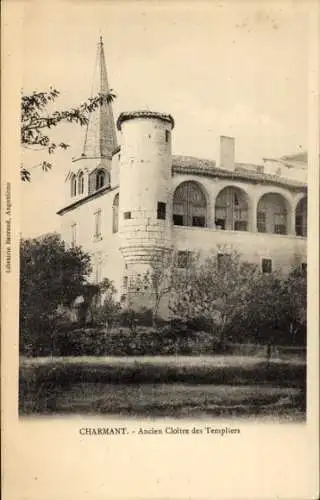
145,205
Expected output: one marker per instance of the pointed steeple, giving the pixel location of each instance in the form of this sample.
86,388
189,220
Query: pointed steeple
100,138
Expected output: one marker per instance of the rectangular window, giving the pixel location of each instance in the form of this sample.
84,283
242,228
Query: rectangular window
98,270
261,222
183,259
199,221
74,235
178,220
97,224
161,210
266,266
127,215
167,135
304,267
223,260
125,282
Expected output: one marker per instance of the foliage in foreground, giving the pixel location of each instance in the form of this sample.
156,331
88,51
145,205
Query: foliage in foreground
54,291
213,303
37,121
233,300
51,277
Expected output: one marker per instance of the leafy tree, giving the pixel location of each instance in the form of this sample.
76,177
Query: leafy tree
295,290
264,313
103,306
276,309
51,277
215,289
37,121
158,280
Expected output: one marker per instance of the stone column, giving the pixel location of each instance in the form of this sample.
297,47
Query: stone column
211,210
252,216
291,220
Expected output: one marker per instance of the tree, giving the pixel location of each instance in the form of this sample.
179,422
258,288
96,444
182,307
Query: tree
264,314
215,289
275,311
294,306
37,121
158,280
51,277
103,306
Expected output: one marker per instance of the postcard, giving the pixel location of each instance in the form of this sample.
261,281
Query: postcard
160,244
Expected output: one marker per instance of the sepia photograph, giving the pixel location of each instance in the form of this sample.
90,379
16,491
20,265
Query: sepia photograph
164,212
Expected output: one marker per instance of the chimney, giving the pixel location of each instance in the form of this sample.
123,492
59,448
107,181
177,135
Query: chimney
226,153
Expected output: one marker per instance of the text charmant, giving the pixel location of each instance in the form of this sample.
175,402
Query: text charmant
103,431
169,430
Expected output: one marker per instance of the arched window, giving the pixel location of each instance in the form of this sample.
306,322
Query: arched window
81,183
73,185
189,205
100,179
302,218
231,210
272,214
115,214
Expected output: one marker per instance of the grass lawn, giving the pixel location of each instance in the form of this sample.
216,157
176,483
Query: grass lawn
178,400
176,386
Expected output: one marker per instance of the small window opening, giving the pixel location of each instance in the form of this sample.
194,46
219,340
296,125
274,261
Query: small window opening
73,234
97,224
127,215
178,220
167,135
81,183
266,266
100,179
73,186
184,259
161,210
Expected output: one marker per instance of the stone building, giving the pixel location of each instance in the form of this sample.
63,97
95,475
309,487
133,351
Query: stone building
125,203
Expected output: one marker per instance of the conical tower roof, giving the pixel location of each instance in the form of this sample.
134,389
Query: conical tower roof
100,138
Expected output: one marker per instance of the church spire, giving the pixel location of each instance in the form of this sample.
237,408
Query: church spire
100,138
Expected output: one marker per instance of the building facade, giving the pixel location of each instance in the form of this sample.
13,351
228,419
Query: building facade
127,203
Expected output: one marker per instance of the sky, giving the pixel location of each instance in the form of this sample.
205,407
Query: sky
220,68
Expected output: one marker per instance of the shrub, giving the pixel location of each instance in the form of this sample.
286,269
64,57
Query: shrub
124,341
